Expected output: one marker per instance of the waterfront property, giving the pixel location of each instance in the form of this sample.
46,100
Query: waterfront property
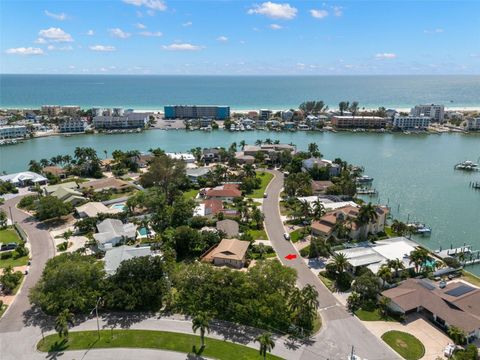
13,131
112,232
186,157
350,121
229,252
309,164
196,112
25,178
72,125
457,304
411,122
473,124
105,184
319,187
434,112
129,121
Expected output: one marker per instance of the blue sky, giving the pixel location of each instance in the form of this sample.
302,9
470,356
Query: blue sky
240,37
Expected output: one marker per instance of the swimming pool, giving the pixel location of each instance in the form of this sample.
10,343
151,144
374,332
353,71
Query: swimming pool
143,231
120,206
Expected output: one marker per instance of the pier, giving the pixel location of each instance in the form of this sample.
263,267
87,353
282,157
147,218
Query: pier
475,185
365,191
464,254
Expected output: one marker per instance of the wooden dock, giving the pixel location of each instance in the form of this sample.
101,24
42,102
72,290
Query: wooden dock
475,185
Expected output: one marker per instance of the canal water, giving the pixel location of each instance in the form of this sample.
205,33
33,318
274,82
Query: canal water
413,173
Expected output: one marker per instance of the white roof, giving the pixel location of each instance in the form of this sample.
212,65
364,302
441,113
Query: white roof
110,230
327,203
199,210
181,156
23,176
114,256
94,208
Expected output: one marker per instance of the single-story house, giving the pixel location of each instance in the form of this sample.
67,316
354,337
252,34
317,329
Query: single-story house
93,208
226,192
186,157
309,164
229,227
114,256
50,189
25,178
373,256
111,232
68,195
319,186
458,304
56,171
194,174
105,184
242,158
230,252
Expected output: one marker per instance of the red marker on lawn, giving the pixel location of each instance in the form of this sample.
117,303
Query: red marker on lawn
291,256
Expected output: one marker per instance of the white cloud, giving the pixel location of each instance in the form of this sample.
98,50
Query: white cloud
319,14
102,48
222,38
119,33
150,33
40,41
276,27
90,32
182,47
59,48
187,24
150,4
55,35
24,51
434,31
61,16
337,10
274,10
385,56
140,26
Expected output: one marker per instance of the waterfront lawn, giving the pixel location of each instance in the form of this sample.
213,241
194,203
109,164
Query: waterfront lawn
9,235
190,194
469,277
406,345
258,234
185,343
266,178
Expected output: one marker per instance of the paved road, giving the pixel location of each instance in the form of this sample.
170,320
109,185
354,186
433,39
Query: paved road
340,330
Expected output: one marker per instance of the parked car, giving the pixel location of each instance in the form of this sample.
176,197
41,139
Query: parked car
265,194
286,236
9,246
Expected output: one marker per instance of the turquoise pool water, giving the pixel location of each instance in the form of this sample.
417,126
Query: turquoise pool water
143,231
120,206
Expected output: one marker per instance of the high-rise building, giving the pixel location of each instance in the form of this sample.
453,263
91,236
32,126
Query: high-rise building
434,112
196,112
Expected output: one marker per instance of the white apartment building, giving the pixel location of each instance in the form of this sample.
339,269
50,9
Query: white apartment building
128,121
411,122
51,110
13,131
72,126
434,112
473,124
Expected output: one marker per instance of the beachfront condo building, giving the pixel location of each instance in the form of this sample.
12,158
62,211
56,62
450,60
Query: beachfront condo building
264,114
434,112
51,110
129,121
70,110
13,131
196,112
349,121
72,126
473,124
411,122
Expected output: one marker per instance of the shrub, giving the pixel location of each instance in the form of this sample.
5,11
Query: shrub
28,202
6,255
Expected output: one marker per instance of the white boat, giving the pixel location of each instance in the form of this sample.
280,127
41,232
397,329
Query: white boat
467,165
364,179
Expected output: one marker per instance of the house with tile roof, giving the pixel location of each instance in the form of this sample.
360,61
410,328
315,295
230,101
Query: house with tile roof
229,252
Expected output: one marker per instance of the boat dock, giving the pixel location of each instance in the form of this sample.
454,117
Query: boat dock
365,191
453,251
475,184
464,254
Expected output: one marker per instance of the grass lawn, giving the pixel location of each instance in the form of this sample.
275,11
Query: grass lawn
327,282
9,235
283,210
190,194
298,234
408,346
21,261
469,277
3,308
266,178
372,315
185,343
258,234
121,194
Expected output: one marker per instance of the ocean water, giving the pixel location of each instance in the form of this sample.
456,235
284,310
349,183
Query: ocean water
239,92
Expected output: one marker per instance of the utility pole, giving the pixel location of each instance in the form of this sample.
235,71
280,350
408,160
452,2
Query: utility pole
11,216
96,314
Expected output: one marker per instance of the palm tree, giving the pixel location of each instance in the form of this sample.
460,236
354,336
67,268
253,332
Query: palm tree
314,150
310,297
318,209
249,170
258,142
305,208
385,274
268,141
418,258
366,214
201,322
457,335
340,262
106,153
266,343
63,320
383,304
242,144
354,108
343,106
396,265
44,162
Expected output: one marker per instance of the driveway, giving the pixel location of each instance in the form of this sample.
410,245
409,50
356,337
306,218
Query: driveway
433,339
340,330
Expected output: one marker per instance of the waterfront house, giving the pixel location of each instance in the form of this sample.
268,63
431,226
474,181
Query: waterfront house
71,125
229,252
212,155
229,227
55,171
106,184
319,187
93,208
457,304
115,256
226,192
112,232
244,159
13,131
264,114
25,178
349,121
472,124
130,120
310,163
186,157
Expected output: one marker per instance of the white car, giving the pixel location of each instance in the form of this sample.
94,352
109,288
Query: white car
286,236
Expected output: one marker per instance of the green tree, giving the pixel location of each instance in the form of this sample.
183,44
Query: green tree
266,343
340,262
354,302
383,304
418,257
367,286
385,274
457,335
318,209
62,322
343,106
257,216
201,322
353,108
396,265
366,215
3,219
313,150
49,207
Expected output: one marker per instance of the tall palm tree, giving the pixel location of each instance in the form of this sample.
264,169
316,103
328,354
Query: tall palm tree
268,141
310,297
340,262
266,343
366,214
418,258
314,150
384,273
201,321
383,304
318,209
249,170
396,265
242,144
354,108
343,106
63,320
258,142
